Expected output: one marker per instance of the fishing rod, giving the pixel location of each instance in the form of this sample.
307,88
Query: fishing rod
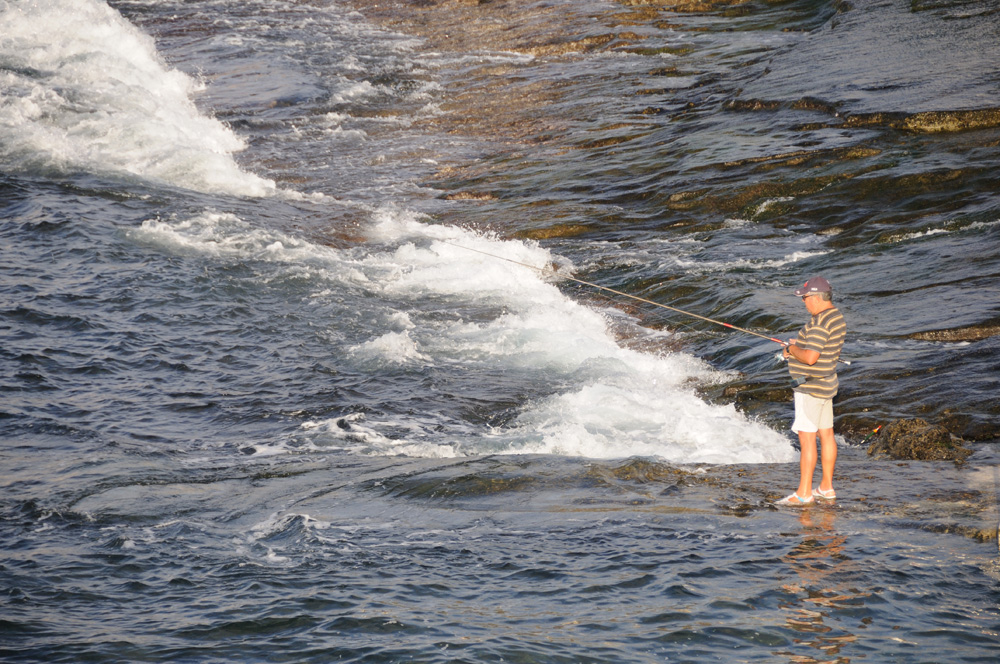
628,295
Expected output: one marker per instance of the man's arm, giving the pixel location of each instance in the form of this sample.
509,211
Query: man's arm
803,355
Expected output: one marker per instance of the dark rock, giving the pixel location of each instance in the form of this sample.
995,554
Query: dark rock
470,196
967,333
554,231
752,105
929,122
916,439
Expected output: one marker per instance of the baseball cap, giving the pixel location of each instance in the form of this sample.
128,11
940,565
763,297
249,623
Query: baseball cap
814,285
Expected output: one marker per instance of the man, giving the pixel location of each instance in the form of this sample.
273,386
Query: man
812,361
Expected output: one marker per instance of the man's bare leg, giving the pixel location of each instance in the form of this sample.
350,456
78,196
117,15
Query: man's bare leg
828,457
807,463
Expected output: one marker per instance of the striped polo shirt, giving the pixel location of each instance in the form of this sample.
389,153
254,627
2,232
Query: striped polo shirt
825,333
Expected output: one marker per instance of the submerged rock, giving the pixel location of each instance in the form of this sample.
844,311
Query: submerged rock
549,232
967,333
686,6
929,122
916,439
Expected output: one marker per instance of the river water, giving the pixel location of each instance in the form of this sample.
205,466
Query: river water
291,369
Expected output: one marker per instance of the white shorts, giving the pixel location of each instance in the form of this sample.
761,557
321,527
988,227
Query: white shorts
812,413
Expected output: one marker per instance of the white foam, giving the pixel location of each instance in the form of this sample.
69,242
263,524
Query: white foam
225,235
354,91
698,266
354,433
624,402
444,297
85,90
614,418
278,523
916,235
392,348
768,203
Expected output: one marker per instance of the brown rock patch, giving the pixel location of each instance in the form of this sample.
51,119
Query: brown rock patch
970,333
917,440
930,122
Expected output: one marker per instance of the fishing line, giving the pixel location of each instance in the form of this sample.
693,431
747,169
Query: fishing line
628,295
618,292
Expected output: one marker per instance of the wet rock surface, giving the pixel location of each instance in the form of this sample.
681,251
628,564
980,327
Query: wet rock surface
934,496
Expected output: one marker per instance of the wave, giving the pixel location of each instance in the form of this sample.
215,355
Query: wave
441,298
84,90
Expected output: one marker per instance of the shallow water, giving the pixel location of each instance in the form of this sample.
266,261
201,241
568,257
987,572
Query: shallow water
525,558
265,396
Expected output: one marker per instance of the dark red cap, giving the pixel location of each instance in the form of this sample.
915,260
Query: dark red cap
814,285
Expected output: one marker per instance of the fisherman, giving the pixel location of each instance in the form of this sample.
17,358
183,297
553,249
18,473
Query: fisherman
812,361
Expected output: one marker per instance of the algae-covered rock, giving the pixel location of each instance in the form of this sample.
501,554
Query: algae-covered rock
554,231
929,122
968,333
918,440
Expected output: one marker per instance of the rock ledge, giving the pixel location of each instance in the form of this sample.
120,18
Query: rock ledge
916,439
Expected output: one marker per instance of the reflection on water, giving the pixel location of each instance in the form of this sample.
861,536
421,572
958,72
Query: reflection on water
822,568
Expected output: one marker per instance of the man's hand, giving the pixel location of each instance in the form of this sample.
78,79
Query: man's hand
803,355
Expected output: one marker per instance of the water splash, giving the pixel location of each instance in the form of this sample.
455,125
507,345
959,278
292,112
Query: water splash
83,90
